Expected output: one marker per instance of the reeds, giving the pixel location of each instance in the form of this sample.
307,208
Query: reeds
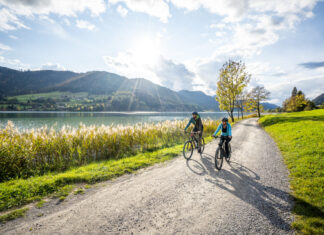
37,151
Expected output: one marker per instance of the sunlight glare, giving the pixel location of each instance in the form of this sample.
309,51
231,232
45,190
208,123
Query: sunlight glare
146,51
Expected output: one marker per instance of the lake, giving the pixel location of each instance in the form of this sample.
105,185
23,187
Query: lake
28,120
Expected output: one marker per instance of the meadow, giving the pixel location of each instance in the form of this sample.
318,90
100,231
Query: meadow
300,138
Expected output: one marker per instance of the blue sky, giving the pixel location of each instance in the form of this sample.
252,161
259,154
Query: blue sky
180,44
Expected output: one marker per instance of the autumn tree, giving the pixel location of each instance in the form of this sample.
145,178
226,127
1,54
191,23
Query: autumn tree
297,102
257,95
233,78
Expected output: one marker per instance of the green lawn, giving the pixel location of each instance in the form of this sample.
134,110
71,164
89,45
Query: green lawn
300,137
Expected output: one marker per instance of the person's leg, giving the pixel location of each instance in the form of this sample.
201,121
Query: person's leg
221,141
199,140
227,140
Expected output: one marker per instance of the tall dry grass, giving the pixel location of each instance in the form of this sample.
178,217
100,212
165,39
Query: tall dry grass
37,151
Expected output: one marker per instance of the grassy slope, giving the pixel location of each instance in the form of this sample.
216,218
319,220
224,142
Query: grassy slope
300,137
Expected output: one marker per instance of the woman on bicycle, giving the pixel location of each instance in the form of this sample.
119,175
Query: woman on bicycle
199,127
226,133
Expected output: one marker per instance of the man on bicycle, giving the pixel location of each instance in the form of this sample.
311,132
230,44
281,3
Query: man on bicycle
226,133
199,127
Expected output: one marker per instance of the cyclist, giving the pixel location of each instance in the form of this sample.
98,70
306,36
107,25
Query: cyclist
199,127
226,133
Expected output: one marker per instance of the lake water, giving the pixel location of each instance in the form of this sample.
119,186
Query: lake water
28,120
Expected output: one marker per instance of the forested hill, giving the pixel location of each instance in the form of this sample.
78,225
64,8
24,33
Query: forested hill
116,93
319,99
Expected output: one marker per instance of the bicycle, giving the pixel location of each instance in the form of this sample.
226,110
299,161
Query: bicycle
221,153
191,144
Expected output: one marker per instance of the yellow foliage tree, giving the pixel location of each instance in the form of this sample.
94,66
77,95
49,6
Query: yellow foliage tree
233,78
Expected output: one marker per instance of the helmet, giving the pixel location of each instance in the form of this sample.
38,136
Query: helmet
225,119
194,113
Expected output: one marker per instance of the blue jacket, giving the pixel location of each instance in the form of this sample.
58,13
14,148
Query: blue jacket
227,133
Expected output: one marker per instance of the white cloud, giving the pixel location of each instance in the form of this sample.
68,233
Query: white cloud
4,47
13,10
9,21
13,37
233,10
60,7
122,11
219,26
163,71
13,63
51,66
156,8
82,24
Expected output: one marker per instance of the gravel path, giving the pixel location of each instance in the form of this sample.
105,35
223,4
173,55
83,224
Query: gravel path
249,196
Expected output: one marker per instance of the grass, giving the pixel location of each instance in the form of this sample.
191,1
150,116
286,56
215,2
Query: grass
36,152
40,203
79,191
13,215
19,192
300,138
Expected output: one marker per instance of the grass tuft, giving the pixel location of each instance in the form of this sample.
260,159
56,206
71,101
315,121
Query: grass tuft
13,215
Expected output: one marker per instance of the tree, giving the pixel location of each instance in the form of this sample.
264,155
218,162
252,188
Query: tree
294,92
233,78
297,102
242,102
259,94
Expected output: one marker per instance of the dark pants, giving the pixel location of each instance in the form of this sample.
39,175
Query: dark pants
227,140
199,135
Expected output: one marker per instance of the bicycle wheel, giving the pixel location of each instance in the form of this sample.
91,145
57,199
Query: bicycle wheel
188,149
202,147
218,158
228,158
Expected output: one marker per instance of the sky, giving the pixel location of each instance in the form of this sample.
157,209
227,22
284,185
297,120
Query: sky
180,44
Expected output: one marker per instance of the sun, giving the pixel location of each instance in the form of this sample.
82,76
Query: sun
146,51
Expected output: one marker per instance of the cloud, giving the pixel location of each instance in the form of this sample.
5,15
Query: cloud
233,10
312,65
9,21
156,8
173,75
82,24
4,47
60,7
51,66
163,71
14,10
13,37
13,63
122,11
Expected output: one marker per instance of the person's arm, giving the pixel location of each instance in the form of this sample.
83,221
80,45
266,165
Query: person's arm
218,128
188,124
229,130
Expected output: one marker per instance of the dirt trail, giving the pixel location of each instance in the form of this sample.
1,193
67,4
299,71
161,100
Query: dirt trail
249,196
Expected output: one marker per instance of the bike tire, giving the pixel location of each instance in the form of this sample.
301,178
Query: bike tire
218,158
188,150
228,159
202,147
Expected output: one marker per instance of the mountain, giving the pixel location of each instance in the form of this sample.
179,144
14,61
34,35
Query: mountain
120,93
319,99
267,106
